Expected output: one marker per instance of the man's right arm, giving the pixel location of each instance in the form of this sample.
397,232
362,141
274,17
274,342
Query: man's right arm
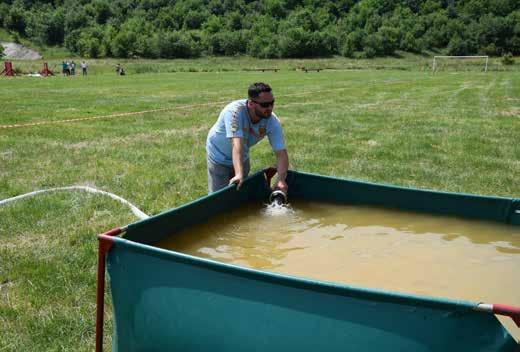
237,155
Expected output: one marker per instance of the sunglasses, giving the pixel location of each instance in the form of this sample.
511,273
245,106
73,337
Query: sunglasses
265,104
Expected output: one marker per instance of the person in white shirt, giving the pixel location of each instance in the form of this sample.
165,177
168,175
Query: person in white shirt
84,68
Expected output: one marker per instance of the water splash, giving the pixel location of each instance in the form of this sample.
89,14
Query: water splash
277,209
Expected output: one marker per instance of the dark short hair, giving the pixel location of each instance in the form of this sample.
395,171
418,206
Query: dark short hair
256,88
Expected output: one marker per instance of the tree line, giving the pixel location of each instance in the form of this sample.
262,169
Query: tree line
267,28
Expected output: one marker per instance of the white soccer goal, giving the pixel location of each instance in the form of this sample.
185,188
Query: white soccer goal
436,60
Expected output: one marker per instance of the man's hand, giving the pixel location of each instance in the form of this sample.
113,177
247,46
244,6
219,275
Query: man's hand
282,186
238,180
282,164
238,166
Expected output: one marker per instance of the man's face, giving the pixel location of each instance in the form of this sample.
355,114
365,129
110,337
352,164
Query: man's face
263,105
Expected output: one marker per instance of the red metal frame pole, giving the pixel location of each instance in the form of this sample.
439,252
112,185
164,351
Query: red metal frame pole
46,72
8,69
501,309
510,311
105,243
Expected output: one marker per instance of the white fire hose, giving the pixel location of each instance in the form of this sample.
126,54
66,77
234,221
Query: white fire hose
134,209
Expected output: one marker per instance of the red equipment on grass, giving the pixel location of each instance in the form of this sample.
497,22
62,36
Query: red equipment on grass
46,72
8,69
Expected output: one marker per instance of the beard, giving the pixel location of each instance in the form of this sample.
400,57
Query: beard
261,114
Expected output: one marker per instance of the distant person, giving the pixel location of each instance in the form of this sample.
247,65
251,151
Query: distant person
64,68
84,67
118,69
241,125
73,68
68,68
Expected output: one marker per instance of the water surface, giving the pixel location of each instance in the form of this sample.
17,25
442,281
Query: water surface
367,246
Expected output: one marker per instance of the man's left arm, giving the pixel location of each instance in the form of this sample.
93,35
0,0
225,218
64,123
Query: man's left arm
282,165
277,141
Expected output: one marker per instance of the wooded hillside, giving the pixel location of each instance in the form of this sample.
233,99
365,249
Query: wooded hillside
267,28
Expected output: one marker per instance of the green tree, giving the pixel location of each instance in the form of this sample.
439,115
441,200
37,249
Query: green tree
178,45
475,8
16,18
214,24
430,7
167,20
76,19
194,19
307,19
295,43
372,45
389,38
4,10
276,9
72,39
458,46
267,28
89,47
89,43
227,43
54,29
263,44
102,11
147,46
122,45
494,30
235,43
513,40
351,43
109,33
233,20
410,43
502,7
323,43
437,35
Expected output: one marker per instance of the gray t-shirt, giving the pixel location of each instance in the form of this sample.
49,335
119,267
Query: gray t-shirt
234,121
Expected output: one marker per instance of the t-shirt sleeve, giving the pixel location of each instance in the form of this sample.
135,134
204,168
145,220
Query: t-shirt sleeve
233,123
275,135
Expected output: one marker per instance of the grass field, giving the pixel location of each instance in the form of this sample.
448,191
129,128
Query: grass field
452,131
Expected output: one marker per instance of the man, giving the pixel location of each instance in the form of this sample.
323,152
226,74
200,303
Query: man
84,68
241,125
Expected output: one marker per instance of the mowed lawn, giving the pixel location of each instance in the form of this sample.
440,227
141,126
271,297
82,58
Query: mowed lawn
452,131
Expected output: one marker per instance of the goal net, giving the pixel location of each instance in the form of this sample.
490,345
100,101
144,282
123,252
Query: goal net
462,63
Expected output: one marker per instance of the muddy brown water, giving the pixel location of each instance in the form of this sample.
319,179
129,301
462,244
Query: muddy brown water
365,246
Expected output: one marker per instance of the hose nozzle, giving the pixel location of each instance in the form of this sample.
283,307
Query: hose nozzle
277,197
